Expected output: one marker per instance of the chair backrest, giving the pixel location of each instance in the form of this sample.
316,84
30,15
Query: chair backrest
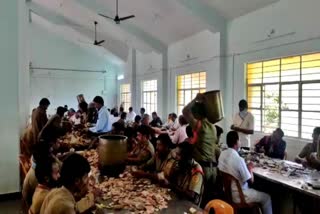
227,186
219,207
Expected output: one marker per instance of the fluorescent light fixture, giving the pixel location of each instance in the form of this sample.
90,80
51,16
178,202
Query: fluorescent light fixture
120,77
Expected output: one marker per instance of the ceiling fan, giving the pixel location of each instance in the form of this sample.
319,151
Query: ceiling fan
117,19
96,42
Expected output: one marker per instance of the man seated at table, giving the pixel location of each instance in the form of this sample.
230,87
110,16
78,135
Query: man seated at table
306,156
103,116
231,163
143,153
74,180
187,177
156,121
180,134
163,162
47,173
272,146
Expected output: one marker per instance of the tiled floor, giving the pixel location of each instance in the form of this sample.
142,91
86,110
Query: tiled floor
10,207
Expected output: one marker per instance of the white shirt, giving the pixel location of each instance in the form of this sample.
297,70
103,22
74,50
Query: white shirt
230,162
179,135
245,123
131,116
112,120
102,124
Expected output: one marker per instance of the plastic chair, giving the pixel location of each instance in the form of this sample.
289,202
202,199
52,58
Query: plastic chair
219,207
227,182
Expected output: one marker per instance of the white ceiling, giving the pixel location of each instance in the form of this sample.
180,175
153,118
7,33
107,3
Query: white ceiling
231,9
158,23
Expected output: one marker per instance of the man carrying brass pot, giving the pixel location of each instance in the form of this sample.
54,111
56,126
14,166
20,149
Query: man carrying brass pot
205,150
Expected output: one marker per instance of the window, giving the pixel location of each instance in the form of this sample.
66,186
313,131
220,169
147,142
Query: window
285,93
150,95
125,96
188,86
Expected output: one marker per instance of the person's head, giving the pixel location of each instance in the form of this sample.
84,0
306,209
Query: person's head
130,109
98,102
189,131
42,151
137,119
142,111
182,120
113,111
233,140
173,116
198,110
184,155
163,146
74,175
243,105
316,134
121,109
116,114
44,103
61,110
118,128
48,172
219,131
143,133
154,115
145,119
83,107
277,135
170,116
123,116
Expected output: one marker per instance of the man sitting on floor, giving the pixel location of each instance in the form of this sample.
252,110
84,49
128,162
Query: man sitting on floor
163,162
143,153
187,178
231,163
47,174
272,146
74,180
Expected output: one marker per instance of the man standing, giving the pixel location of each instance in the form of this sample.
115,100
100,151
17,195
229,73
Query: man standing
131,115
204,144
156,121
103,116
243,123
39,118
231,163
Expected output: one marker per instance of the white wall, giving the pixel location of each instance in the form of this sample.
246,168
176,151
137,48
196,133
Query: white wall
245,35
204,50
61,87
12,60
149,67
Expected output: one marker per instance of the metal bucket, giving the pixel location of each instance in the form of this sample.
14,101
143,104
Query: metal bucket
214,106
112,152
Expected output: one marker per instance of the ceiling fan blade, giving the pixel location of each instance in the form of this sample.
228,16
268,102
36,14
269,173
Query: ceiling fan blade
108,17
99,43
127,17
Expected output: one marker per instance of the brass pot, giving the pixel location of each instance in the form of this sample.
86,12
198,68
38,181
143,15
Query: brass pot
112,152
214,106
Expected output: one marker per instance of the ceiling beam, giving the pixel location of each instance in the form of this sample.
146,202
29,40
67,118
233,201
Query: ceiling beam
206,13
130,28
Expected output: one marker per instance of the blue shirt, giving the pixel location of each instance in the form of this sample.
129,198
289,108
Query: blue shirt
102,122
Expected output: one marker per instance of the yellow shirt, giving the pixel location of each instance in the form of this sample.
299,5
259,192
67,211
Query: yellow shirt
59,201
38,197
29,185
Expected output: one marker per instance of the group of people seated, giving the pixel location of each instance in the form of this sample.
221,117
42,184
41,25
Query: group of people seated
183,154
